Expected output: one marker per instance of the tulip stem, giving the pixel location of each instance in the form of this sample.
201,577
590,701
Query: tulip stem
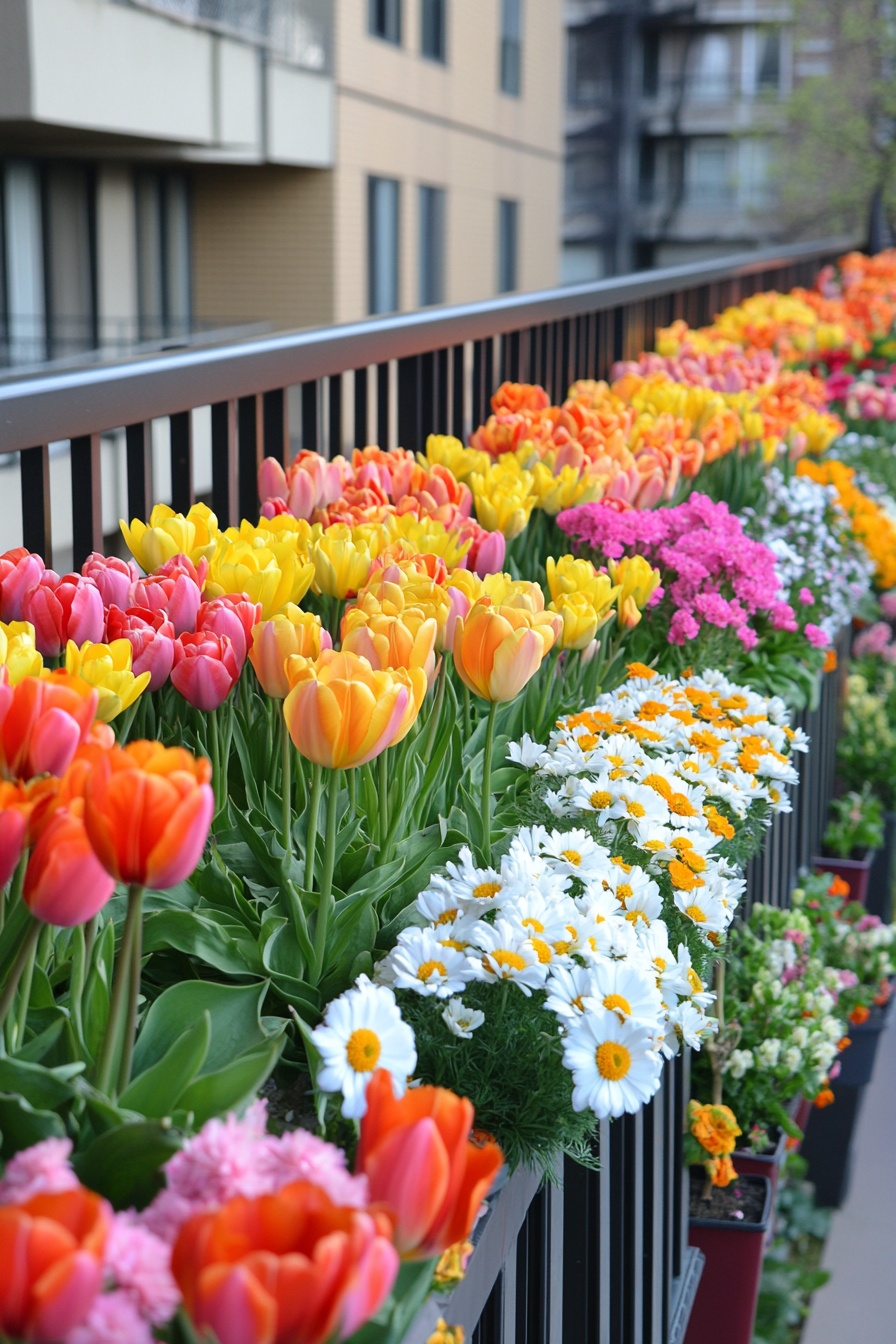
24,957
352,781
11,898
487,784
383,782
324,900
118,1006
21,1022
285,786
135,904
313,814
466,712
435,712
548,668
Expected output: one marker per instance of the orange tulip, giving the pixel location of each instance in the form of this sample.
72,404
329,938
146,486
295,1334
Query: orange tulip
148,809
420,1161
497,650
291,631
51,1250
288,1268
43,721
65,883
341,713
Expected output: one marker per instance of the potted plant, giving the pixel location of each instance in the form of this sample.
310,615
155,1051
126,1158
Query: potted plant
866,749
854,832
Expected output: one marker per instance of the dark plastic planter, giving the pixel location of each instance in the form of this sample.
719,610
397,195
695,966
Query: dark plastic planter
857,1060
827,1146
762,1164
725,1306
854,872
880,883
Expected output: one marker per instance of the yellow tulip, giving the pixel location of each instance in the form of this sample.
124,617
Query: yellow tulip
445,451
428,537
168,534
581,621
17,651
507,592
271,573
341,562
387,641
572,574
562,490
637,580
341,713
504,497
468,583
497,650
107,669
289,632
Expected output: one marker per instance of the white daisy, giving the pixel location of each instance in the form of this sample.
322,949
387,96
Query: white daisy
363,1030
568,987
507,954
614,1065
626,989
526,752
460,1020
421,962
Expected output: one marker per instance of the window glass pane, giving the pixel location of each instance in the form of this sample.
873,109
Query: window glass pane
768,59
24,263
383,244
70,261
432,246
507,245
710,180
150,281
711,79
511,45
432,29
177,257
590,69
384,19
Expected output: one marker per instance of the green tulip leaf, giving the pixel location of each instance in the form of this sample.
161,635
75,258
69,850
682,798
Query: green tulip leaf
125,1163
233,1012
22,1124
228,1088
156,1092
202,937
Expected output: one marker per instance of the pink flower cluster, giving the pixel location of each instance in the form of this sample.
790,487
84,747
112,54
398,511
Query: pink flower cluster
712,572
730,369
875,642
201,646
865,399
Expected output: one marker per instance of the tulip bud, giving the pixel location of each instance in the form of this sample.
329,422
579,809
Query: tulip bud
65,883
292,631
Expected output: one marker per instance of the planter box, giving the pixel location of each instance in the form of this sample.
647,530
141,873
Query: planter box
725,1306
880,883
857,1061
827,1146
854,872
801,1113
747,1163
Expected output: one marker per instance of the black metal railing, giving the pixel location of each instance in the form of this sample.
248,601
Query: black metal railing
404,377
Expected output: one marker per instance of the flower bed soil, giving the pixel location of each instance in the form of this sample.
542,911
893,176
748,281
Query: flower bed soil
741,1203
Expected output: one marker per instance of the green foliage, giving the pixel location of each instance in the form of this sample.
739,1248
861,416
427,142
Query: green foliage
790,1273
856,823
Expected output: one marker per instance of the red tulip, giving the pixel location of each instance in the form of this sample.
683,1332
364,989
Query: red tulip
151,637
69,609
147,810
51,1250
234,616
288,1268
205,670
112,576
43,721
420,1161
65,883
20,570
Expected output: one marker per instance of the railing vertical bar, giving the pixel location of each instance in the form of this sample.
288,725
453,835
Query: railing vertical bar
479,394
409,402
457,391
514,371
334,429
87,498
225,463
37,514
276,425
361,408
615,1281
138,456
382,405
654,1173
566,358
426,412
604,1259
181,431
310,417
440,423
249,435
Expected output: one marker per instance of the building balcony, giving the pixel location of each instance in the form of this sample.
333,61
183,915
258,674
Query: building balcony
195,80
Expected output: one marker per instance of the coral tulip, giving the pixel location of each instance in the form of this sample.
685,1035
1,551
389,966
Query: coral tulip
233,616
107,667
287,1268
148,809
14,812
292,631
205,669
419,1160
65,883
151,637
341,713
497,650
51,1249
20,570
112,576
43,721
168,534
71,608
178,596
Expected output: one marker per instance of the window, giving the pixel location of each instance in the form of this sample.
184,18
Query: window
382,244
432,246
69,279
432,29
384,20
710,176
508,230
768,60
710,69
590,70
511,46
163,255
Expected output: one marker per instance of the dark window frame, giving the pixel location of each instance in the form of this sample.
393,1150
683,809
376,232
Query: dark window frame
432,245
434,20
384,21
373,307
510,67
508,245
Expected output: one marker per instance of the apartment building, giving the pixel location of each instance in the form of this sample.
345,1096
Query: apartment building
168,166
672,109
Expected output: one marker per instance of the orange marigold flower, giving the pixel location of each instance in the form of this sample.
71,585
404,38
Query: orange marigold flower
830,661
859,1015
838,887
824,1098
640,670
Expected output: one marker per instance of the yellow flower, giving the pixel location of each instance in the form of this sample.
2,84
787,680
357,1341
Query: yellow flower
269,572
504,497
507,592
168,534
341,562
445,1333
567,487
445,451
427,537
581,621
17,651
637,580
408,640
574,575
107,668
291,631
497,650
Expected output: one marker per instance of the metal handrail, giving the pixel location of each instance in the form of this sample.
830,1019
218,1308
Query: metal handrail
41,408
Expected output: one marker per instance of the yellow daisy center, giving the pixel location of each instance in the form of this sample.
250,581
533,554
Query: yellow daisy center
634,915
616,1003
634,808
431,968
453,942
600,799
613,1060
578,1003
534,924
694,980
506,960
623,891
363,1049
660,963
696,914
486,890
562,949
447,916
572,856
681,806
543,949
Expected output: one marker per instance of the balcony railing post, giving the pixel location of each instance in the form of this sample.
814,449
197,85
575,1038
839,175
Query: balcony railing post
37,518
87,498
181,430
138,450
225,462
249,442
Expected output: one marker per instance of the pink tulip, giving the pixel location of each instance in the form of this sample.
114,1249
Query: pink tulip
205,669
65,883
43,721
271,480
233,616
182,564
486,554
151,637
13,826
71,608
112,576
178,598
20,570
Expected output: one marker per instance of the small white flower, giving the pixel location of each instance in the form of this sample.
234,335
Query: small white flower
526,752
767,1053
460,1020
506,953
363,1030
792,1059
739,1062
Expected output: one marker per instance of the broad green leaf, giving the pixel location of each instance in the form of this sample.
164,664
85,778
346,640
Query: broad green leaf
22,1125
191,932
157,1091
125,1163
234,1084
233,1011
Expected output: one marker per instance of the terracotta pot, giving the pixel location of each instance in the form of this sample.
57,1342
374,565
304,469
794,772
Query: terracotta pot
854,872
801,1112
725,1305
